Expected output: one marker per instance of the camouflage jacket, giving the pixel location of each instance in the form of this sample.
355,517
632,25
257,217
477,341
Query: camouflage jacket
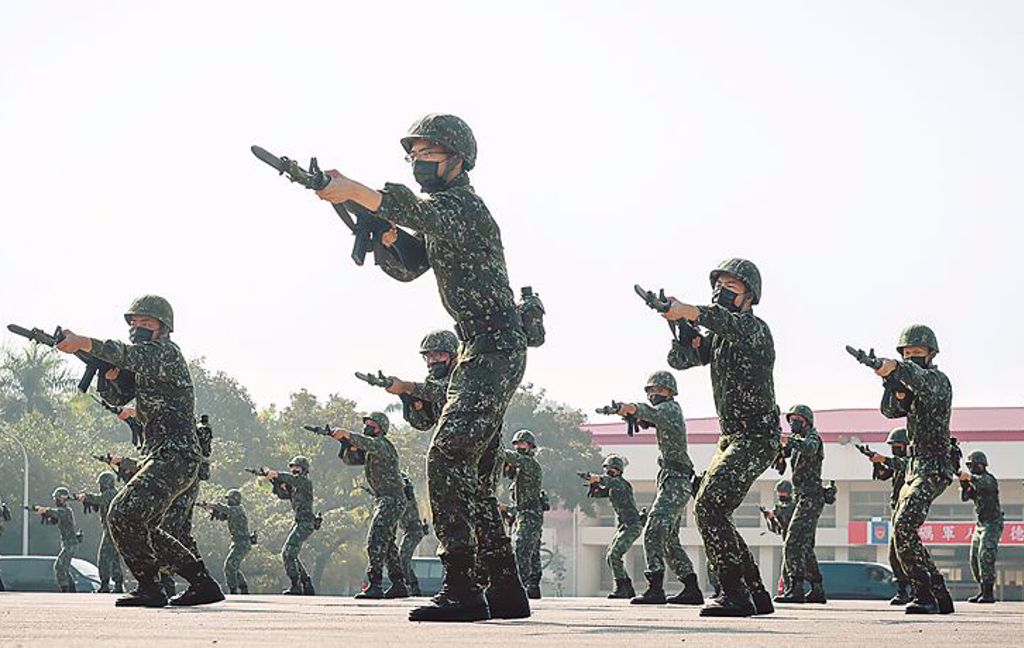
127,469
162,389
983,489
670,427
784,513
526,483
300,488
465,250
383,473
65,522
741,352
620,494
101,500
927,418
807,453
433,393
411,517
238,522
894,468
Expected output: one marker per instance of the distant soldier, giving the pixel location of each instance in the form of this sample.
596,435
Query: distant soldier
61,515
522,467
5,517
241,541
628,520
422,402
981,486
297,487
414,529
108,561
894,468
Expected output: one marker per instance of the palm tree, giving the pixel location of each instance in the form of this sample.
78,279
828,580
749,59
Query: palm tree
32,381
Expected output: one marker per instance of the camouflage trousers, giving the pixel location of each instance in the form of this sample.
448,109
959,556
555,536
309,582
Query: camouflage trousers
62,565
624,538
137,510
799,561
984,545
380,539
916,498
178,519
412,535
290,551
661,533
462,461
108,561
233,563
738,461
536,568
894,562
528,529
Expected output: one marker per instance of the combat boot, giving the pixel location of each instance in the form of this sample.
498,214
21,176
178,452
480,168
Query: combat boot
118,587
942,598
733,601
924,601
506,596
623,589
202,589
655,594
794,593
149,595
104,588
761,599
690,594
243,588
976,597
533,591
902,596
817,594
307,586
459,599
397,589
373,589
295,589
987,593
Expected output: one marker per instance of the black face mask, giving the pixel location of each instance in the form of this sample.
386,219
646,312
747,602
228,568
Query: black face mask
725,298
369,430
920,361
784,498
657,399
611,472
296,471
524,451
437,369
977,469
426,176
797,426
139,335
899,450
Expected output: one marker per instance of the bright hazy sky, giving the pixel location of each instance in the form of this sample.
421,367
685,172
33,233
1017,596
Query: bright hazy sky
866,155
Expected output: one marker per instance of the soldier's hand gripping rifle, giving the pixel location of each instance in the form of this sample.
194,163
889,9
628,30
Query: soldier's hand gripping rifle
773,521
367,227
594,488
683,333
348,453
45,517
93,365
133,423
632,423
384,382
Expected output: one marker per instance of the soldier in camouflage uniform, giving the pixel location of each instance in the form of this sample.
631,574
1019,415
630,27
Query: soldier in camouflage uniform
61,515
241,542
153,371
414,529
929,470
894,468
740,349
108,561
628,520
297,487
463,246
525,471
422,402
384,479
980,486
661,533
806,453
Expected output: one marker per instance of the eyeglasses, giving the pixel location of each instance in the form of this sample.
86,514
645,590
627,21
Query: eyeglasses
419,155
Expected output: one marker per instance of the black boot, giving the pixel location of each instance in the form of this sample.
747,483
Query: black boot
307,586
2,588
987,593
902,596
295,589
167,582
655,594
118,587
373,590
63,588
733,601
817,594
232,589
506,596
761,599
243,588
459,599
623,589
942,598
794,593
690,594
202,589
977,597
398,588
924,601
104,587
533,590
149,594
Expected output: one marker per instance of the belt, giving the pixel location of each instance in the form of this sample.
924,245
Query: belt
469,328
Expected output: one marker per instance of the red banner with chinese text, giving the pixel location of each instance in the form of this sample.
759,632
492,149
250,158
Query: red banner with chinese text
955,533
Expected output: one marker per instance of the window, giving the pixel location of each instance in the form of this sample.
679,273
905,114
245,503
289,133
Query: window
828,517
865,505
951,513
825,553
1014,512
864,553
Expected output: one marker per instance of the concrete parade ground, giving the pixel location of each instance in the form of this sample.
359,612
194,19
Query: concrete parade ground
29,619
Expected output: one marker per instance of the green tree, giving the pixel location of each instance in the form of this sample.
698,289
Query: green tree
33,380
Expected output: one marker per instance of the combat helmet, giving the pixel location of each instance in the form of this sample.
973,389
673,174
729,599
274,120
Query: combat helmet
783,486
106,480
898,435
745,270
801,410
525,435
440,340
918,335
448,131
381,419
61,491
662,379
977,457
233,496
301,462
152,306
616,462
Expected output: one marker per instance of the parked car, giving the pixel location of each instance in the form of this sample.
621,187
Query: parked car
35,574
429,572
857,580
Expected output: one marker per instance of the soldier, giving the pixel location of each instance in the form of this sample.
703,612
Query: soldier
384,477
241,542
523,468
423,401
62,515
929,470
414,528
741,352
153,371
297,487
628,520
806,453
894,468
107,559
463,246
979,485
782,513
5,517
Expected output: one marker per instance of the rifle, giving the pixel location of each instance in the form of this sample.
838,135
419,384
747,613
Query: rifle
133,423
87,508
45,517
259,472
410,251
695,483
107,458
683,333
867,359
356,457
773,521
214,514
93,365
632,424
384,382
865,450
594,489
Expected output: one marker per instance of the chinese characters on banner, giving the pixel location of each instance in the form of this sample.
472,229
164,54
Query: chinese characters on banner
955,533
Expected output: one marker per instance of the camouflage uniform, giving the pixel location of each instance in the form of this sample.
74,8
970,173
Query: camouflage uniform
241,543
807,453
464,248
413,530
108,561
65,518
178,523
895,468
526,496
628,521
983,489
299,489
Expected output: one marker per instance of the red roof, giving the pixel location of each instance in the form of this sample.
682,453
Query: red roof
968,424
